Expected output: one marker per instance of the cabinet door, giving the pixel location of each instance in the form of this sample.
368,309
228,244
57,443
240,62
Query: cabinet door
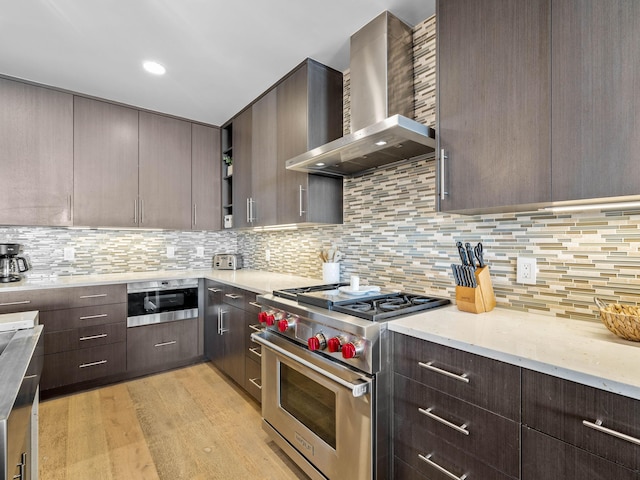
213,340
544,457
264,160
36,154
165,172
105,164
292,126
205,178
242,125
494,102
233,330
595,103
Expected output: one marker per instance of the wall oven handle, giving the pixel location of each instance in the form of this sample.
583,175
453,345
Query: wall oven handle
597,425
428,460
458,428
356,390
429,366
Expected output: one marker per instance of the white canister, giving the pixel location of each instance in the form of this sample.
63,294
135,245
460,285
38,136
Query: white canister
355,283
331,272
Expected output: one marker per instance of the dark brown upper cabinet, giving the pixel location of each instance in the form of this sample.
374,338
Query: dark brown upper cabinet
36,154
205,177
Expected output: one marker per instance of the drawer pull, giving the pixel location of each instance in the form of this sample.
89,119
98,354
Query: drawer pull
21,302
257,305
429,366
93,337
164,344
93,364
98,295
256,351
428,461
255,382
232,296
214,290
462,428
89,317
597,425
256,328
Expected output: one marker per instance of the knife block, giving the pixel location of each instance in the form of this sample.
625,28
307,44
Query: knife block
480,299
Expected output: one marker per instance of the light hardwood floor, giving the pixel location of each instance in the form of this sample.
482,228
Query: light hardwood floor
190,423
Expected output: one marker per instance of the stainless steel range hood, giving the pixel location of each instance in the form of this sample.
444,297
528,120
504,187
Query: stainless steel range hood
381,71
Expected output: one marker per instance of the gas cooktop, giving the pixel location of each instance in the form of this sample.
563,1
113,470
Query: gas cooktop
372,306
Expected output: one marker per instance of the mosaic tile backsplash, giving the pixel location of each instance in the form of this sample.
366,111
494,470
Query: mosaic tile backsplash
392,236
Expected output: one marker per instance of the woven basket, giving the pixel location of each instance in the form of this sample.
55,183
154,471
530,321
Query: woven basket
624,326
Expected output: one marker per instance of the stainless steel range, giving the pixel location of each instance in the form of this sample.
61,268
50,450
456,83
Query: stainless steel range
326,376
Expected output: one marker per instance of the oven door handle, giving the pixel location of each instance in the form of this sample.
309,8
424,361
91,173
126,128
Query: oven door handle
357,390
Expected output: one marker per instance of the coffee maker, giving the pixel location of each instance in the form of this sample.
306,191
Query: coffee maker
11,264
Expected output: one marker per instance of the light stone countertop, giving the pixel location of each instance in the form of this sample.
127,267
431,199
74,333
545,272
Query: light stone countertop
580,351
252,280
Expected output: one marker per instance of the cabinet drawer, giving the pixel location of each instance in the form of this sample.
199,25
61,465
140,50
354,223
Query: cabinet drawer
234,296
150,346
85,337
76,366
544,457
479,380
253,383
456,462
468,427
62,298
559,407
83,317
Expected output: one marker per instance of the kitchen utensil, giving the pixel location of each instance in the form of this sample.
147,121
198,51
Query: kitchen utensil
454,270
462,253
338,256
622,320
469,250
479,254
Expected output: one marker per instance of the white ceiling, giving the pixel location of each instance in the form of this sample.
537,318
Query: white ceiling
220,55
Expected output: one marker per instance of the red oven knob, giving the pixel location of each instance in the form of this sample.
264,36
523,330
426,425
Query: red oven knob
262,317
317,342
267,317
335,344
285,324
352,350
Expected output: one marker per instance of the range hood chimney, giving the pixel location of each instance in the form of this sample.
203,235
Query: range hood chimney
381,69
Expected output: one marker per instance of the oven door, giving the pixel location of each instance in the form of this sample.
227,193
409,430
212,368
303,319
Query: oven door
319,407
161,305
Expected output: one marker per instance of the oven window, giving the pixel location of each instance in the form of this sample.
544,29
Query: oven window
309,402
146,303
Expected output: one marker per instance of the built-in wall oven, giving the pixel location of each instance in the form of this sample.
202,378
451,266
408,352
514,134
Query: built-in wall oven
161,301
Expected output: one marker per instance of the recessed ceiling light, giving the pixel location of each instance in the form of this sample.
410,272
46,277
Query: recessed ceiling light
154,67
381,143
320,164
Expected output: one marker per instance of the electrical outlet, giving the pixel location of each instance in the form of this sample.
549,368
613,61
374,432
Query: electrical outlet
267,255
200,252
171,252
526,270
69,253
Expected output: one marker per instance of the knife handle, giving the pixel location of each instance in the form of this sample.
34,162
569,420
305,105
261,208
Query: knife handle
472,262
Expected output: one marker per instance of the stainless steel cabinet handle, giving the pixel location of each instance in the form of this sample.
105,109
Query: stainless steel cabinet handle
92,364
255,382
302,212
89,317
221,329
429,366
214,290
93,337
443,157
98,295
21,302
255,304
256,328
232,296
141,211
256,351
428,460
164,344
462,428
248,213
135,211
195,214
69,207
597,425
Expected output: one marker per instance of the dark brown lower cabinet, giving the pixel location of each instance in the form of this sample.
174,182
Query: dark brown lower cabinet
150,347
75,366
547,458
